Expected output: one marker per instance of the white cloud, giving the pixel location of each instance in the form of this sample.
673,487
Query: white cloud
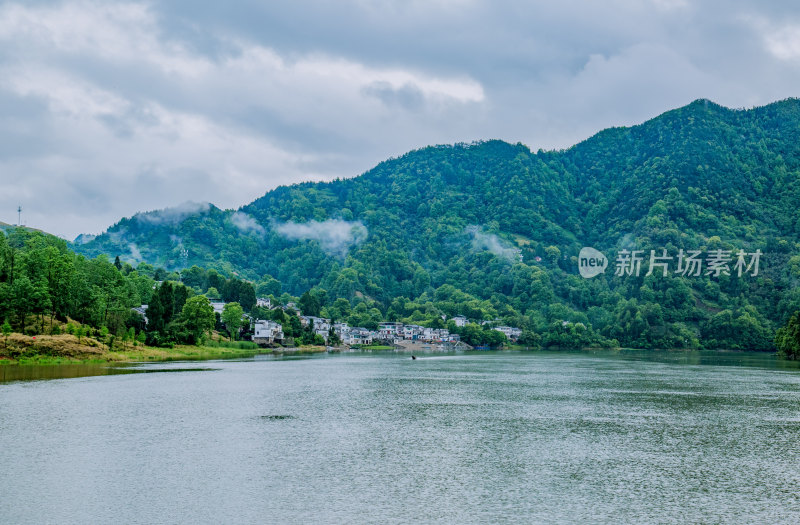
784,42
246,224
179,134
173,215
669,5
120,32
491,242
113,107
64,94
136,255
334,235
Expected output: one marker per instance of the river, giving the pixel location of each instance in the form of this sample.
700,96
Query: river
380,438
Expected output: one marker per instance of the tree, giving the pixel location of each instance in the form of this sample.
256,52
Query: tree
268,286
293,327
6,332
214,280
530,339
179,296
232,314
788,338
309,304
553,254
194,277
80,332
198,317
247,296
157,310
333,337
23,292
104,334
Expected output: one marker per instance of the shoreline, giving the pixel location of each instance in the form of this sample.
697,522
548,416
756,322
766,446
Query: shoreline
66,350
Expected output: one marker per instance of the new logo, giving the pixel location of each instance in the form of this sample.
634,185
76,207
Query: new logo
591,262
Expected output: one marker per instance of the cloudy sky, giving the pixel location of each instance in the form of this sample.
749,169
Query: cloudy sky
109,108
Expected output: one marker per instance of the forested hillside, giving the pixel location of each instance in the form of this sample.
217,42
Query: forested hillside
492,230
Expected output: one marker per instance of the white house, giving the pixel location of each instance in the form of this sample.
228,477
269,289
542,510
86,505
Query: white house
142,310
460,320
320,323
510,332
264,302
359,336
267,332
412,331
218,306
342,330
389,330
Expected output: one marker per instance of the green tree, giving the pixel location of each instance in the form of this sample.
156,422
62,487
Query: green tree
195,277
198,317
309,304
6,328
22,300
232,317
787,338
333,337
104,334
80,332
130,335
268,286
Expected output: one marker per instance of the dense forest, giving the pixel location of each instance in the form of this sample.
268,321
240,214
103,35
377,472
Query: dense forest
46,288
492,230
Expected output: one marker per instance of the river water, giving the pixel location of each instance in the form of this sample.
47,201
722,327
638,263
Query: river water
360,438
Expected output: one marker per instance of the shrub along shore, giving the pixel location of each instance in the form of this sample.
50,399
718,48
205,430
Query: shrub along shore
68,349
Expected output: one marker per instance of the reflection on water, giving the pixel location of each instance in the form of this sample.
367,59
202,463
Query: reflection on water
10,373
610,437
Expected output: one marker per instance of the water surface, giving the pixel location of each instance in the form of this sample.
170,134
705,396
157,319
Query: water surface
485,437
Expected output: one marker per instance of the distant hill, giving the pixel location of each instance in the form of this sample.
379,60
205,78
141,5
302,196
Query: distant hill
5,227
503,224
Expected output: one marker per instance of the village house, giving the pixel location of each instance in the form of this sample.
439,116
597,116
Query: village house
141,310
460,320
359,336
320,323
267,332
441,335
510,332
218,306
389,330
412,332
264,302
341,329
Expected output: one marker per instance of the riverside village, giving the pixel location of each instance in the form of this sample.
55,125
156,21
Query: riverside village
268,333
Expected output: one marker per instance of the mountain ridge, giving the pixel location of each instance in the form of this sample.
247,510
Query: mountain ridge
504,224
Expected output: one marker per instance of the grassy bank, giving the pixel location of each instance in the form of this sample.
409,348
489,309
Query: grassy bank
67,349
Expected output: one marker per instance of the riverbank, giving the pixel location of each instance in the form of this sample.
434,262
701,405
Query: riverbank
67,349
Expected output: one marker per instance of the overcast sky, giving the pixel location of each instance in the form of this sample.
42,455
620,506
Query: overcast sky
109,108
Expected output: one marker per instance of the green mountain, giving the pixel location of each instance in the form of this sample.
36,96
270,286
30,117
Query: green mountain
494,229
